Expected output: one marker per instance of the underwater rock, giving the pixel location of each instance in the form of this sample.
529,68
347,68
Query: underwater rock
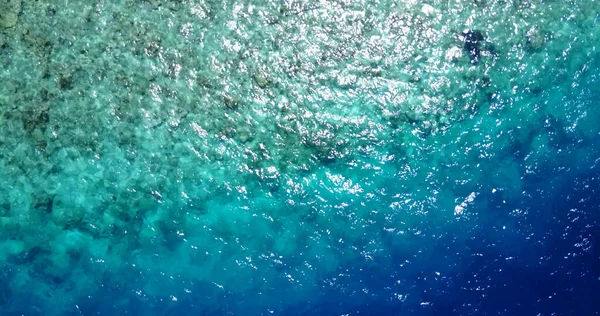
231,102
42,201
152,49
44,94
50,11
9,12
31,255
173,5
65,82
476,45
204,81
33,119
535,39
4,209
472,44
36,41
260,80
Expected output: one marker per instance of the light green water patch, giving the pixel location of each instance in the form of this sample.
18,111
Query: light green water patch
180,138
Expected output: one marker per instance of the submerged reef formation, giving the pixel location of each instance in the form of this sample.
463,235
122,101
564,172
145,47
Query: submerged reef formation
476,45
9,12
159,155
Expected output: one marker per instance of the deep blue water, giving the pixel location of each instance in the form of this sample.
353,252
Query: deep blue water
299,158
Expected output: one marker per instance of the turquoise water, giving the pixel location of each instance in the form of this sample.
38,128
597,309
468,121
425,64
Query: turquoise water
299,157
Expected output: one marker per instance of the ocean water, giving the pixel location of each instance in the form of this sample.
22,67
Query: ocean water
299,157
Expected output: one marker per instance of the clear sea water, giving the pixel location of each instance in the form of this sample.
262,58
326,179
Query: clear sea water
340,157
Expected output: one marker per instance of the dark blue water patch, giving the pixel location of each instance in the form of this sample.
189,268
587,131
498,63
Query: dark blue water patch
542,266
554,262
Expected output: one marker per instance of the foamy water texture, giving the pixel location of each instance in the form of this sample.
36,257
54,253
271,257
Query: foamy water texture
299,157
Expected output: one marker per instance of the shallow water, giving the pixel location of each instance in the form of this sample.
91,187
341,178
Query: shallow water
312,157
